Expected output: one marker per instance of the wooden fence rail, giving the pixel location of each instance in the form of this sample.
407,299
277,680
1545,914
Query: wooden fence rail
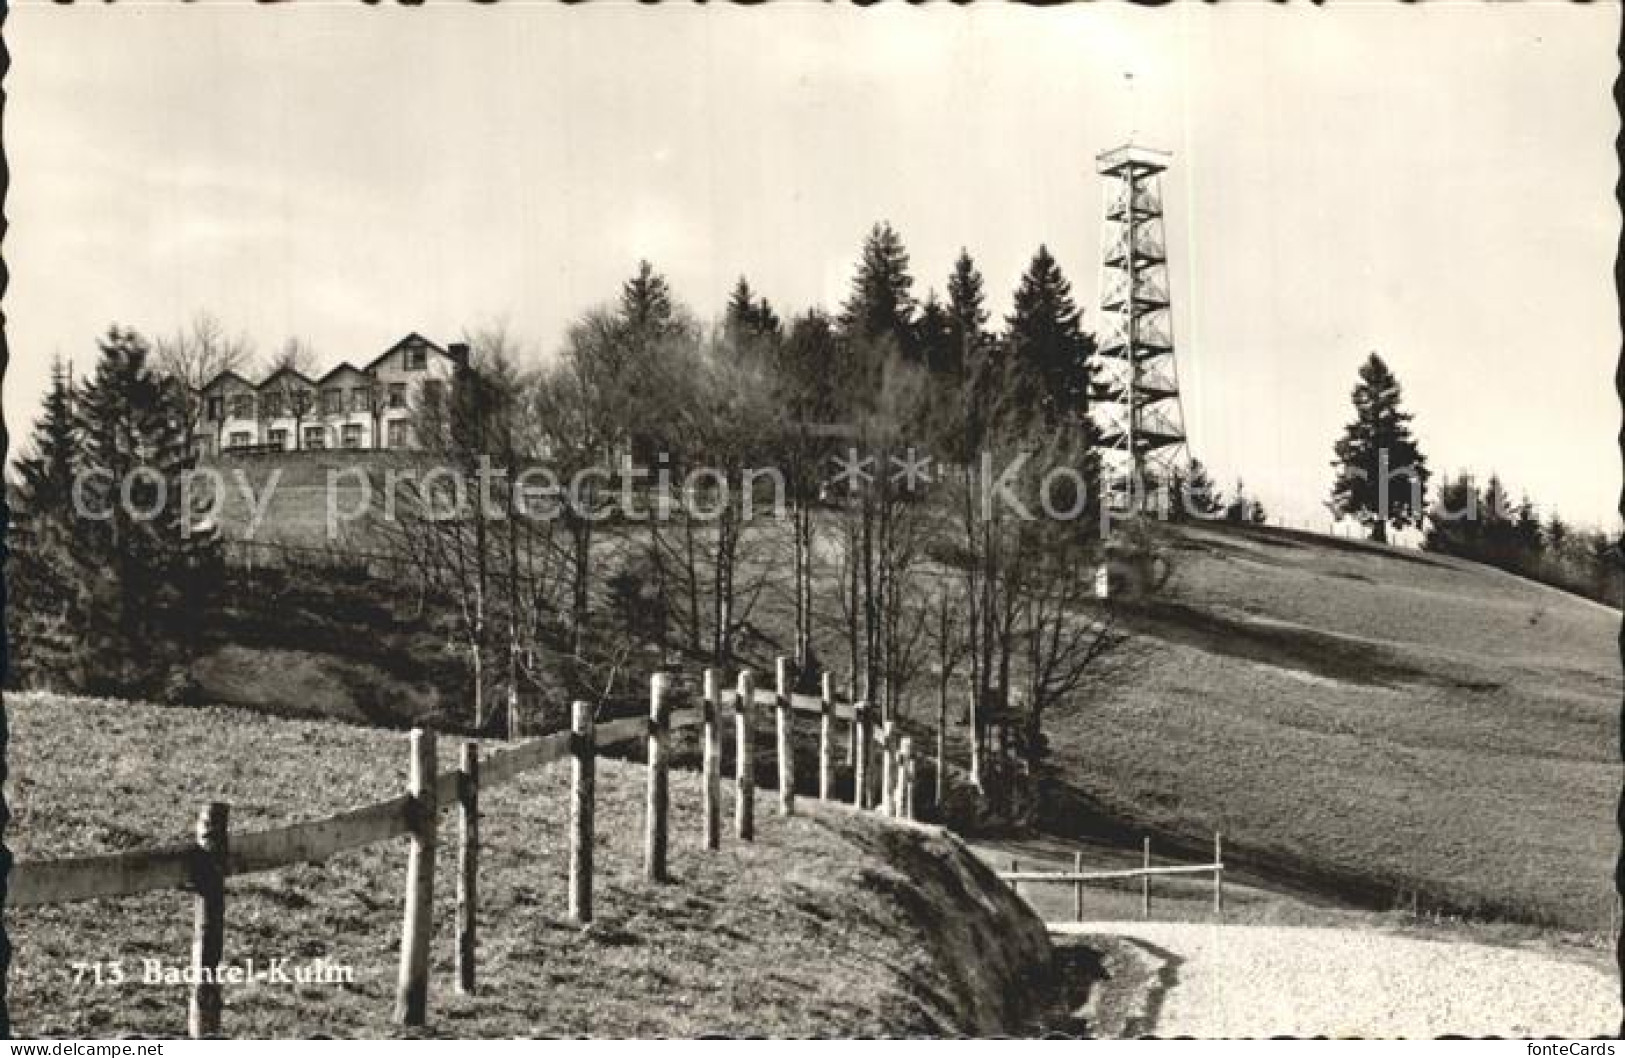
1078,877
216,855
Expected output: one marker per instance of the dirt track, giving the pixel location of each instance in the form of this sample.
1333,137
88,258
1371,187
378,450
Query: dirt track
1217,980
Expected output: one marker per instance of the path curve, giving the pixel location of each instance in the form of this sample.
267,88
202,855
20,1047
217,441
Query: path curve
1233,980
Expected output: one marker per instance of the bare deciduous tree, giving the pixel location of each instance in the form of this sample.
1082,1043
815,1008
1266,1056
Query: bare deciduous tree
289,392
195,355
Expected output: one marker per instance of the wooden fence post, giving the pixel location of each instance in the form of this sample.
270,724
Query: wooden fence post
1015,886
1145,884
468,863
860,756
1077,888
654,832
826,718
1218,873
711,761
412,988
209,921
787,759
583,765
888,769
745,759
904,798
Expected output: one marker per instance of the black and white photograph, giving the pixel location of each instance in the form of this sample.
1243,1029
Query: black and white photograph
1078,522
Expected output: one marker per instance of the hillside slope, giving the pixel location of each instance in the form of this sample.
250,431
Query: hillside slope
1389,726
829,924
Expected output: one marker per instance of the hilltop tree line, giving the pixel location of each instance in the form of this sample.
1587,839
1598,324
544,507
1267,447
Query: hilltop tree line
907,588
1382,480
894,591
1487,526
894,576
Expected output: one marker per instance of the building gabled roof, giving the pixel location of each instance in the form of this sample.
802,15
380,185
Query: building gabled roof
413,338
279,372
343,365
223,376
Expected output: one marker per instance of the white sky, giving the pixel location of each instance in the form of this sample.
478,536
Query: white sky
1434,184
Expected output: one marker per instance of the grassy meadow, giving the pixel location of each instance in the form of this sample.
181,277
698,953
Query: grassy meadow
829,924
1370,727
1392,728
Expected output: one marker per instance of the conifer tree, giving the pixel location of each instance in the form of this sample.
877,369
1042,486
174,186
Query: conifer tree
45,474
45,563
1381,472
750,318
935,338
1497,530
967,315
149,568
647,310
1052,359
880,307
648,331
1453,525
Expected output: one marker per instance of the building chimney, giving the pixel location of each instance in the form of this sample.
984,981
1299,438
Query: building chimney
458,351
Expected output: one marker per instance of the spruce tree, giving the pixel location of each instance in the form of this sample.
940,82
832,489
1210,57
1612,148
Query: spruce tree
1497,530
1453,525
880,307
149,570
1376,444
45,564
1052,359
749,318
44,494
647,310
649,327
933,334
967,315
813,375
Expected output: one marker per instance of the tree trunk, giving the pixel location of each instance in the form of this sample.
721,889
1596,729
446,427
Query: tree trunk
1379,531
801,526
476,667
942,737
581,529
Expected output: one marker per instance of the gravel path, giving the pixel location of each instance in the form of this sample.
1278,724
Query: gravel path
1282,980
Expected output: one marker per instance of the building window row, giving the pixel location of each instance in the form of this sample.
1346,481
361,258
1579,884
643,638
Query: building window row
351,435
332,401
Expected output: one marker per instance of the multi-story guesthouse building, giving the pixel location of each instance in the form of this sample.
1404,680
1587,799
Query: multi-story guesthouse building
371,407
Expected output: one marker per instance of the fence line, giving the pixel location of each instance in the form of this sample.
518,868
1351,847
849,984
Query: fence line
216,855
1078,877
